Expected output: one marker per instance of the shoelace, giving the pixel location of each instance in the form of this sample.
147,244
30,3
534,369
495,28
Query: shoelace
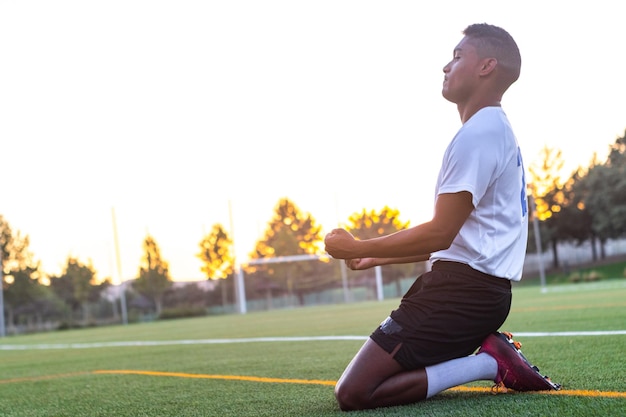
499,388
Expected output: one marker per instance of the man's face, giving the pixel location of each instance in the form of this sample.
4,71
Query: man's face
462,73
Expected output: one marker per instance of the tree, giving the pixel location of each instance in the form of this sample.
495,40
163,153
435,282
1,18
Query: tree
617,164
615,182
605,194
575,221
77,286
546,188
15,252
21,273
186,295
218,258
290,232
23,291
154,277
370,224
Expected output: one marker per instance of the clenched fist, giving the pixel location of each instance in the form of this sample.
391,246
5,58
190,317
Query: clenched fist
340,244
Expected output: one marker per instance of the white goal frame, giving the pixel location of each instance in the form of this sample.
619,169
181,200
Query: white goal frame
240,289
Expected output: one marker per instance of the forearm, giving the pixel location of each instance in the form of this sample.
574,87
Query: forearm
408,245
404,260
405,246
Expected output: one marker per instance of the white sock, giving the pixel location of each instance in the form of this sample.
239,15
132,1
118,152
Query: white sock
460,371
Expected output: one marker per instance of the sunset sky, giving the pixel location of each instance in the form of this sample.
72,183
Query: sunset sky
171,112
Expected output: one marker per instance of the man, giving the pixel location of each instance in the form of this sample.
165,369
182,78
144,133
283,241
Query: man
476,242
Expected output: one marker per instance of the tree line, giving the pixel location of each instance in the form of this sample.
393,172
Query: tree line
76,297
590,205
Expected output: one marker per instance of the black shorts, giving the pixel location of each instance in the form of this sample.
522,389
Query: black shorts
446,314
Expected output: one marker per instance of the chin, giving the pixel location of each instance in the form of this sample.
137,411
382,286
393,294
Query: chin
447,97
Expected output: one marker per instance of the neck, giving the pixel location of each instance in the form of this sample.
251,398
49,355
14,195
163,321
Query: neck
467,110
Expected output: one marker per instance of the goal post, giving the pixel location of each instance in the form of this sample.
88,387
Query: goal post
240,282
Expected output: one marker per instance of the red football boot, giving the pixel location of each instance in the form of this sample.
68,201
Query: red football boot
514,370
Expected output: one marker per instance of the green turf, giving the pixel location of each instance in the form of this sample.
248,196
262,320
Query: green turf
72,389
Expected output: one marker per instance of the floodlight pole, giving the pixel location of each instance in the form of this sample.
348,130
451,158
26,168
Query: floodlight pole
2,328
344,269
119,269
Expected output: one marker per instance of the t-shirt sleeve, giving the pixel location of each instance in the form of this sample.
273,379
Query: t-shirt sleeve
470,165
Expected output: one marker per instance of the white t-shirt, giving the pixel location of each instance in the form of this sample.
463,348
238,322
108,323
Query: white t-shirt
485,160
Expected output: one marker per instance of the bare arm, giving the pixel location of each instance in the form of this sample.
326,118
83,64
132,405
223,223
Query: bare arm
365,263
409,245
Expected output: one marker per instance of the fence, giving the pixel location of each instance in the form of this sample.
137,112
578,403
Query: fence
571,255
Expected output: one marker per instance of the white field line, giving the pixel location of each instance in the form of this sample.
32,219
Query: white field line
264,339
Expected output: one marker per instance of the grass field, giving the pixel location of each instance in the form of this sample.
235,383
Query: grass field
285,363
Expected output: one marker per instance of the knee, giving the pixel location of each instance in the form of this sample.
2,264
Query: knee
348,398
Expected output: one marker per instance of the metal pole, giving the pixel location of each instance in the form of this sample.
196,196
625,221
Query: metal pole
2,328
241,293
240,289
542,272
119,269
379,283
347,296
344,281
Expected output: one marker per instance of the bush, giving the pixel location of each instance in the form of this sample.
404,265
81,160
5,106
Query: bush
593,276
575,277
64,325
587,276
182,312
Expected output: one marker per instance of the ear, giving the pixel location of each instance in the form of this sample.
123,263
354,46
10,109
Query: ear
488,65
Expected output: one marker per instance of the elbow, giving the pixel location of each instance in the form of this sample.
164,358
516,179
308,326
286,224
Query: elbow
443,241
442,245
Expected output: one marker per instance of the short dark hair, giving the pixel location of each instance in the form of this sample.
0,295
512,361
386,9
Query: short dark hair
493,41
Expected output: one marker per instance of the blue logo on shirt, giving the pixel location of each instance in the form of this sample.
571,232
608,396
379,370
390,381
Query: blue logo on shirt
520,163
